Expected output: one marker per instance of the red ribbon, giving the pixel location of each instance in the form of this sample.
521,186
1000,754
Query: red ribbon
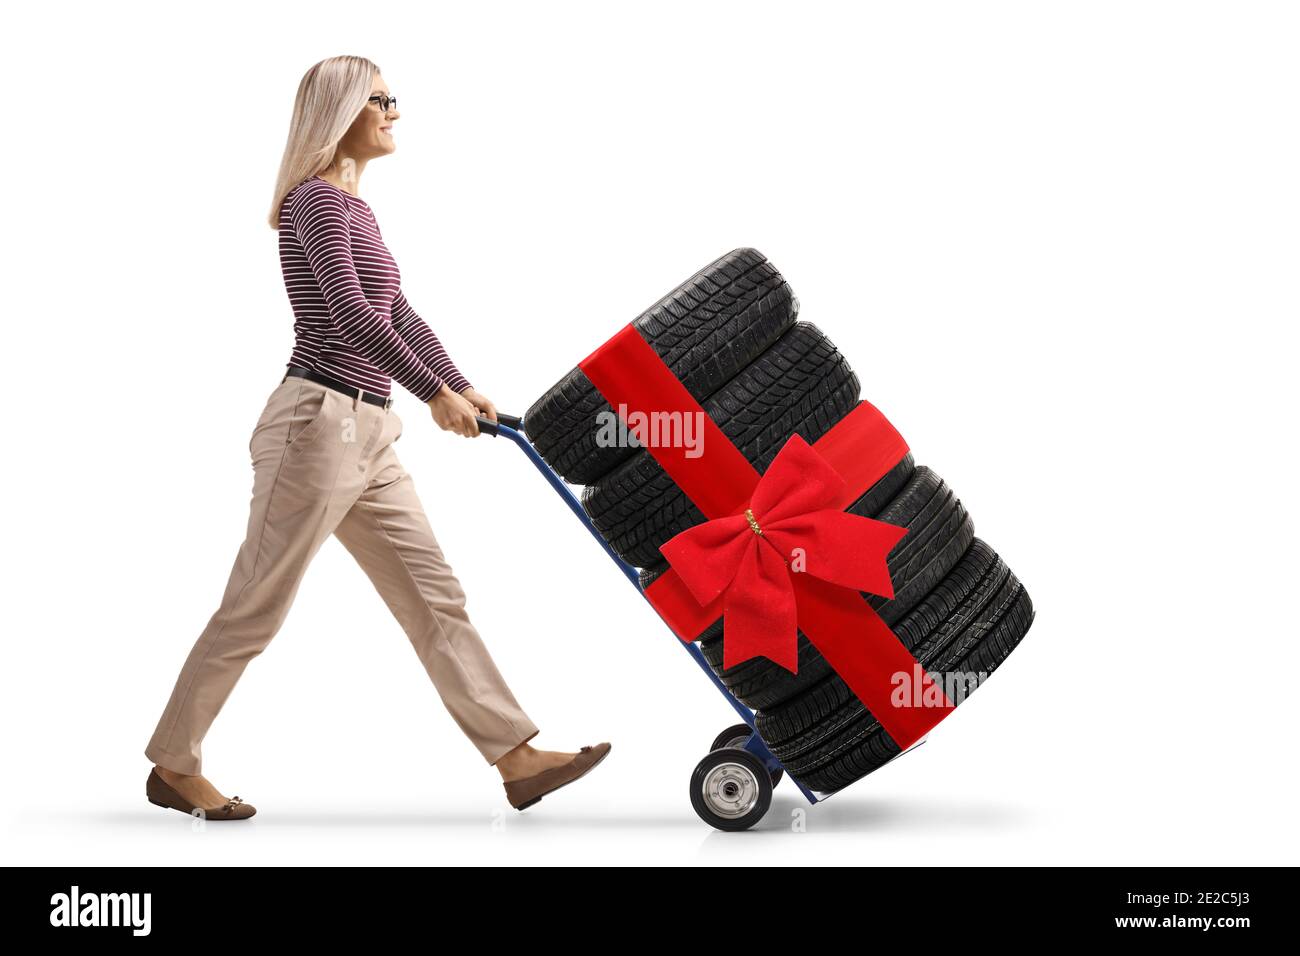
731,572
788,529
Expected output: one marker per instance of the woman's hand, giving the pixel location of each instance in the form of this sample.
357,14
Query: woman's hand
481,402
453,412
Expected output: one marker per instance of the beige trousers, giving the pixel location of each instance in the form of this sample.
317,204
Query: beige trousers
324,464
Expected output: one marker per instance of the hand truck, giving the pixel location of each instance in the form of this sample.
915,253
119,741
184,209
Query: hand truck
731,787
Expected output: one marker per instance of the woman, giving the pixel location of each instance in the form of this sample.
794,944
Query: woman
324,462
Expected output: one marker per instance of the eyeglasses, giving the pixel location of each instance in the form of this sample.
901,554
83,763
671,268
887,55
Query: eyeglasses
384,101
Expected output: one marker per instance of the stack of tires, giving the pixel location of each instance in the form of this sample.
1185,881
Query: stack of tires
732,335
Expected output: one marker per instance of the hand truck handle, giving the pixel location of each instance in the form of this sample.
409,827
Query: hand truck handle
489,427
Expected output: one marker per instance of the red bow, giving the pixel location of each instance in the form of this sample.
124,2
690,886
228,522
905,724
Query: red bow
788,528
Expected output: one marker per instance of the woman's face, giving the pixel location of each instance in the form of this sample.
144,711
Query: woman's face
371,133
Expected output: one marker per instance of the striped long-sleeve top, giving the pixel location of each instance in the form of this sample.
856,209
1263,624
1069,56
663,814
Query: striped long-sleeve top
351,320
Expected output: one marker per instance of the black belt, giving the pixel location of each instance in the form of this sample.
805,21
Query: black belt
313,376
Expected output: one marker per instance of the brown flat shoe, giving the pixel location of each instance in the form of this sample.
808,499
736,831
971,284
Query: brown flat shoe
528,790
162,794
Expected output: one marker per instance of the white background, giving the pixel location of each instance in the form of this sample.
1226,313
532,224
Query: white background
1057,242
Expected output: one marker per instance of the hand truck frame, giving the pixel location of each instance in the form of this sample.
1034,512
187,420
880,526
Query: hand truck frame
731,787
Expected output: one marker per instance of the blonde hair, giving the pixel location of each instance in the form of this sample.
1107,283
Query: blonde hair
330,96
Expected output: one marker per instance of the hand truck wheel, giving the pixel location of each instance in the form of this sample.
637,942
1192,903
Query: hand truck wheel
731,789
735,736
